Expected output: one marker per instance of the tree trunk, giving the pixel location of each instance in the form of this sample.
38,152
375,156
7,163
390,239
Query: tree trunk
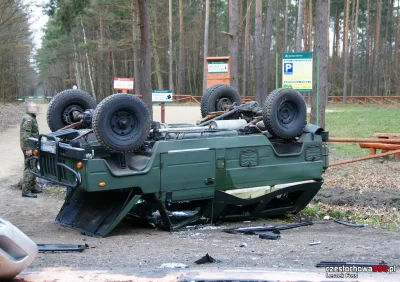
156,57
170,79
346,49
267,48
299,32
214,39
305,26
310,24
135,40
258,50
246,57
240,44
206,26
145,55
396,52
277,28
88,62
376,74
368,50
182,61
233,41
337,34
321,47
354,41
285,45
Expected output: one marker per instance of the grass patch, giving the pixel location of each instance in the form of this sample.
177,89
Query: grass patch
359,122
55,191
387,219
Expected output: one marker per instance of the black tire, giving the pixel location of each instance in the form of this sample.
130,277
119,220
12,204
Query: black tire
285,113
216,97
61,107
121,122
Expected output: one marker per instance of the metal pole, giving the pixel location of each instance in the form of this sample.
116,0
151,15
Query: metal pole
276,70
317,105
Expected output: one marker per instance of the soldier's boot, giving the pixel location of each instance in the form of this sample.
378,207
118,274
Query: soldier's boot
29,195
37,190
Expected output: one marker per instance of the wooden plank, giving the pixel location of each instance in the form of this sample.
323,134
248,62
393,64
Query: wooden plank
380,146
365,158
364,140
385,135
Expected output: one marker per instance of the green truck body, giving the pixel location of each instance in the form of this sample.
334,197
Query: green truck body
166,174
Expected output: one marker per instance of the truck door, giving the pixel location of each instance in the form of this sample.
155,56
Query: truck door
188,169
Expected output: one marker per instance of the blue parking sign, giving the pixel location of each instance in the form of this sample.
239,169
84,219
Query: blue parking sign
288,68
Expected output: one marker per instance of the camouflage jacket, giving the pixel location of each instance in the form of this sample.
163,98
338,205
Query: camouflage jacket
28,128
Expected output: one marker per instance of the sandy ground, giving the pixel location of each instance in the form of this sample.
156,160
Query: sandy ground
131,250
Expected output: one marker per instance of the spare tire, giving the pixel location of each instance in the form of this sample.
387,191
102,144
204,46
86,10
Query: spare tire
121,122
217,97
285,113
60,112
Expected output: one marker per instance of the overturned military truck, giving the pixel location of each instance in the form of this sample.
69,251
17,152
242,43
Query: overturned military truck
242,161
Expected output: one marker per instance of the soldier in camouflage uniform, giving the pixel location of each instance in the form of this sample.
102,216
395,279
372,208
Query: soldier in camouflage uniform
28,128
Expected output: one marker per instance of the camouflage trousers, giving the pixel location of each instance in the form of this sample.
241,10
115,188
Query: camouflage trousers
28,180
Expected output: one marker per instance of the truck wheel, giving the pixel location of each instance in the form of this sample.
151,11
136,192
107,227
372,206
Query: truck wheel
285,113
65,104
217,97
121,122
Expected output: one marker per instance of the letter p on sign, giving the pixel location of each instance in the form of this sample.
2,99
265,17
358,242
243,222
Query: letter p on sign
288,68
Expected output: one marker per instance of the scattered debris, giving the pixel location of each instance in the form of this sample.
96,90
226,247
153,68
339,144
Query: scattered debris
349,223
274,235
327,217
61,248
173,265
343,263
206,259
256,230
314,243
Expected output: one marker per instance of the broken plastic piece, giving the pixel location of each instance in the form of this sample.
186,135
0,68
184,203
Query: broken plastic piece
348,223
314,243
61,248
253,229
206,259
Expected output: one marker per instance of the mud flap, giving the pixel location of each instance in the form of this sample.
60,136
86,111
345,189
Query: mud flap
292,199
96,213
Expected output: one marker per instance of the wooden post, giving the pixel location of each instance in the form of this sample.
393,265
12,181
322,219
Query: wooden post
162,112
372,151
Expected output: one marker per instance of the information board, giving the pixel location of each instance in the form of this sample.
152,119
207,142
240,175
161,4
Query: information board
123,83
162,96
218,66
297,71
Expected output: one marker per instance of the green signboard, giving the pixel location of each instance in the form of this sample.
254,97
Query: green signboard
162,96
297,71
218,66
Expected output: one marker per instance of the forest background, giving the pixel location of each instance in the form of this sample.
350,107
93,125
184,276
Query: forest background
90,42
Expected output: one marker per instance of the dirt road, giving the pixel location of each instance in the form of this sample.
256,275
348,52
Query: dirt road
130,248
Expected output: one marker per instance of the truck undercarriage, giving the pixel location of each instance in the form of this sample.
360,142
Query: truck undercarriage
220,170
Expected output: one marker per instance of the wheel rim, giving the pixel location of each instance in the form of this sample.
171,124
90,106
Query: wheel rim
69,113
287,112
221,103
124,123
